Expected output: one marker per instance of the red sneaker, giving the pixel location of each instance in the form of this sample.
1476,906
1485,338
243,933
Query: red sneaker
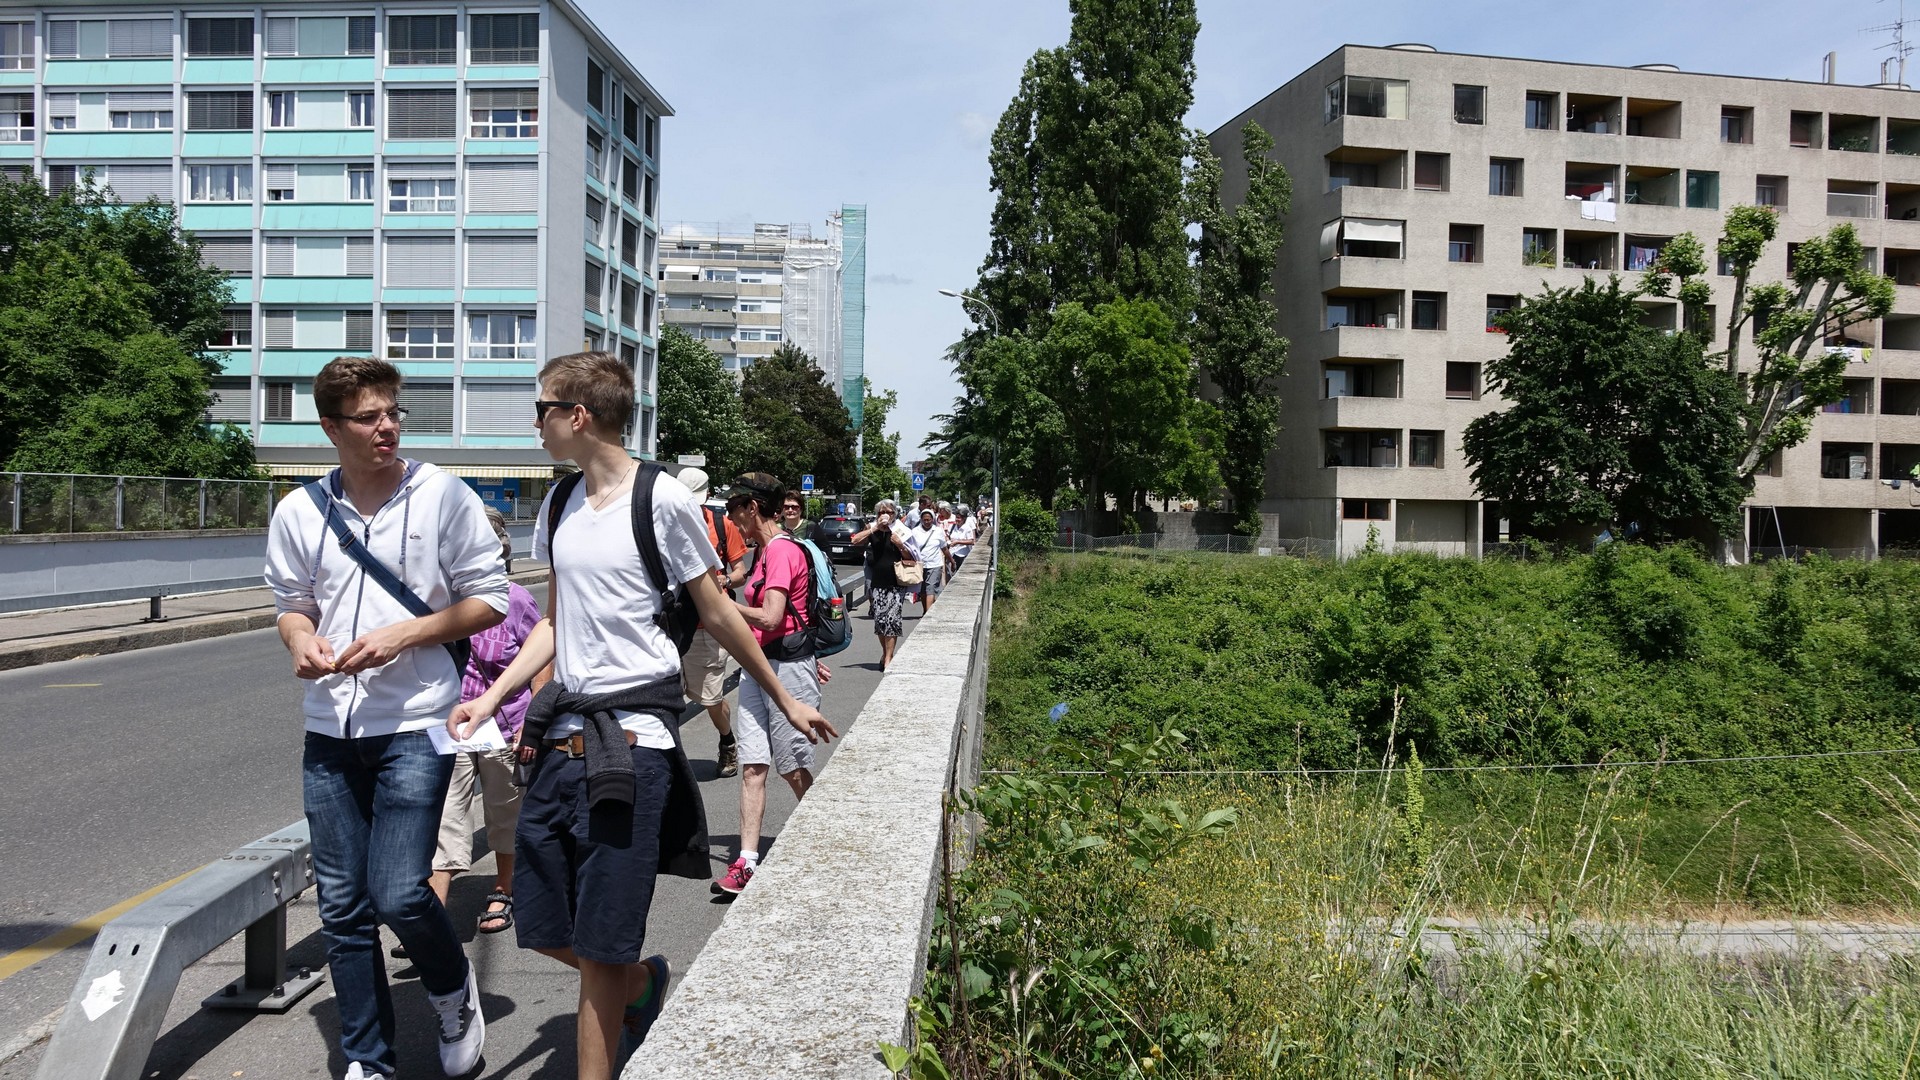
737,877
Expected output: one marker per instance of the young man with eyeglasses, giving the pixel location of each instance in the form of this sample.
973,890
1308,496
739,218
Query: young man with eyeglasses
378,678
590,844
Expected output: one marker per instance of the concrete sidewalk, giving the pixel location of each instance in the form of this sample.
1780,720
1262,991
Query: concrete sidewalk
42,637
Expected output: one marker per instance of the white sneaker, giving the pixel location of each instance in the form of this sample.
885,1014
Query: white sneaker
355,1072
463,1031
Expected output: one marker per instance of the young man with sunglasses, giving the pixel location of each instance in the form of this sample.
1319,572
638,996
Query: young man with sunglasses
378,677
585,865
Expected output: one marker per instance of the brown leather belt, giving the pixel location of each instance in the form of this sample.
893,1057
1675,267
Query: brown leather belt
575,745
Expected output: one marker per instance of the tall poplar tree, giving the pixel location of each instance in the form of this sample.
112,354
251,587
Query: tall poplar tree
1234,336
1091,208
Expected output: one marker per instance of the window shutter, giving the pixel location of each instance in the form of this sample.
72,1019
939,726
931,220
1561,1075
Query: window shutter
220,110
231,401
277,253
360,257
283,36
138,183
63,38
359,331
281,175
58,105
419,262
279,402
62,177
510,97
220,37
503,187
134,100
279,329
595,284
234,254
360,35
141,37
421,114
498,408
502,262
420,39
429,405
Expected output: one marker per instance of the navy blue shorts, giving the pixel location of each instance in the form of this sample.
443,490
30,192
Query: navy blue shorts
583,879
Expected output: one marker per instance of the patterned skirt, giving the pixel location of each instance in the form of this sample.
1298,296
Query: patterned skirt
886,610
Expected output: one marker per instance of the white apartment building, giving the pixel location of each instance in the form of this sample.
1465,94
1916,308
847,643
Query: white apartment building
1431,189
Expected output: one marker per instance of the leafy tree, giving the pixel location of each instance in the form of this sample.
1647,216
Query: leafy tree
104,317
1088,165
1610,422
798,422
880,471
1234,339
1134,422
700,408
1793,375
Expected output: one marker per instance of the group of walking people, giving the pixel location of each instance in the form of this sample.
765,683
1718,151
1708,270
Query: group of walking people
427,672
910,561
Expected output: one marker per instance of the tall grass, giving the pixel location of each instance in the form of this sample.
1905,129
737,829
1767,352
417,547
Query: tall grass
1131,925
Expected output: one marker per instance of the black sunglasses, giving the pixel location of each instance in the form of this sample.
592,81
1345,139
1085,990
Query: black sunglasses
540,409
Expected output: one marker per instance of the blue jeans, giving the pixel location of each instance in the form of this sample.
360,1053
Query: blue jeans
373,805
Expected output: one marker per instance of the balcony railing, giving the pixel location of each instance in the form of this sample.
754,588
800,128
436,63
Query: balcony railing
1853,206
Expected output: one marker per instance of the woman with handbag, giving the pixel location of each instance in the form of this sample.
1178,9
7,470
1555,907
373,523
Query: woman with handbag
892,563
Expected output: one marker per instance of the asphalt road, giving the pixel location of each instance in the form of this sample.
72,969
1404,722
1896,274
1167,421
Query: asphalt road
124,772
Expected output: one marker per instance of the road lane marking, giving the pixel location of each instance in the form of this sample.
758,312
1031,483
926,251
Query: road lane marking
67,685
61,940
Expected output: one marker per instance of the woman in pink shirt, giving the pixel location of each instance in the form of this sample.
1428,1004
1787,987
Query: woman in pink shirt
774,602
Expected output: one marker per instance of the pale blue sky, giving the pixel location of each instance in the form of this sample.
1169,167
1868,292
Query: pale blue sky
786,110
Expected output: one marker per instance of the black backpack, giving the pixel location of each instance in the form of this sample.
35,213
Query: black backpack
677,616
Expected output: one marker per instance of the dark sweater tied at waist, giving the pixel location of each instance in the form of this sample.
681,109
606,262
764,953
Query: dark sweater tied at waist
609,761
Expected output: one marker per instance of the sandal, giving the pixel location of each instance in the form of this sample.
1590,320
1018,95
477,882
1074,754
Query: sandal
491,921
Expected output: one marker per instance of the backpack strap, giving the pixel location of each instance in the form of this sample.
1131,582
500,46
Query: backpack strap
719,524
556,504
805,619
643,537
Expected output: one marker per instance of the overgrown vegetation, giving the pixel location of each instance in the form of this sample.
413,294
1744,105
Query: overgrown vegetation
1131,911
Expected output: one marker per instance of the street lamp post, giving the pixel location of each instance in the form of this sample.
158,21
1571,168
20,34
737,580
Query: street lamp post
993,319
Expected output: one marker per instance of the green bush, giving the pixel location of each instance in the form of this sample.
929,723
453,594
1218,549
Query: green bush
1025,525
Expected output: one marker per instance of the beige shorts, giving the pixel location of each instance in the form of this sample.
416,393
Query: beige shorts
703,671
498,800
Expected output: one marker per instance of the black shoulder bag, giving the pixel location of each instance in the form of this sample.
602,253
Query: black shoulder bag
459,649
677,617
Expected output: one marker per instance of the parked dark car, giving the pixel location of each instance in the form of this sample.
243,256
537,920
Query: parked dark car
832,534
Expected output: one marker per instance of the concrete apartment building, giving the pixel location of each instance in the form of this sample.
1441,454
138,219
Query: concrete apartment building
746,289
1431,189
466,189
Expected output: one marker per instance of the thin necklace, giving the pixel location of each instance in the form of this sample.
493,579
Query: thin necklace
600,501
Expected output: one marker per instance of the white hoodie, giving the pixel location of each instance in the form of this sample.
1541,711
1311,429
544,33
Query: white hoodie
433,534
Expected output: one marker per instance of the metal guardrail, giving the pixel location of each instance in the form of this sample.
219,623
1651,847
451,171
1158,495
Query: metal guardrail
68,503
115,1011
153,594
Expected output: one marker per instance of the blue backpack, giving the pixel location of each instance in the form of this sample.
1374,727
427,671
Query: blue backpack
826,631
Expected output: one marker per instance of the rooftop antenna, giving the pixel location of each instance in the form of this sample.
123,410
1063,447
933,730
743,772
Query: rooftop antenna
1895,65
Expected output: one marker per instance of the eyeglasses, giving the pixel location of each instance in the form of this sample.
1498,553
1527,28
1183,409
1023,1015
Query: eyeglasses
795,507
396,414
540,409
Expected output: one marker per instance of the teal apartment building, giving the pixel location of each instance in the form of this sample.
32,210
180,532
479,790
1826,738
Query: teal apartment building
465,189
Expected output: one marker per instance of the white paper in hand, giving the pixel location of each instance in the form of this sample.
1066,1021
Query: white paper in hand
485,737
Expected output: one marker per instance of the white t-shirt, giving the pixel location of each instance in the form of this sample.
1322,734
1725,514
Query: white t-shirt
604,635
931,542
962,535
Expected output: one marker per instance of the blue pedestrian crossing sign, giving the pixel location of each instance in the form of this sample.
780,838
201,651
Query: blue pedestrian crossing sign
806,482
919,481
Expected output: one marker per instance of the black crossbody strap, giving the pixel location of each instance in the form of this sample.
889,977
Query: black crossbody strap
460,650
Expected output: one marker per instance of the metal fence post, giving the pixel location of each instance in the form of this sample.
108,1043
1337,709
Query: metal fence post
203,504
19,492
119,503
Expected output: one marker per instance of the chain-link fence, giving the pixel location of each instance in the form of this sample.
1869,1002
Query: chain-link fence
1228,543
65,503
